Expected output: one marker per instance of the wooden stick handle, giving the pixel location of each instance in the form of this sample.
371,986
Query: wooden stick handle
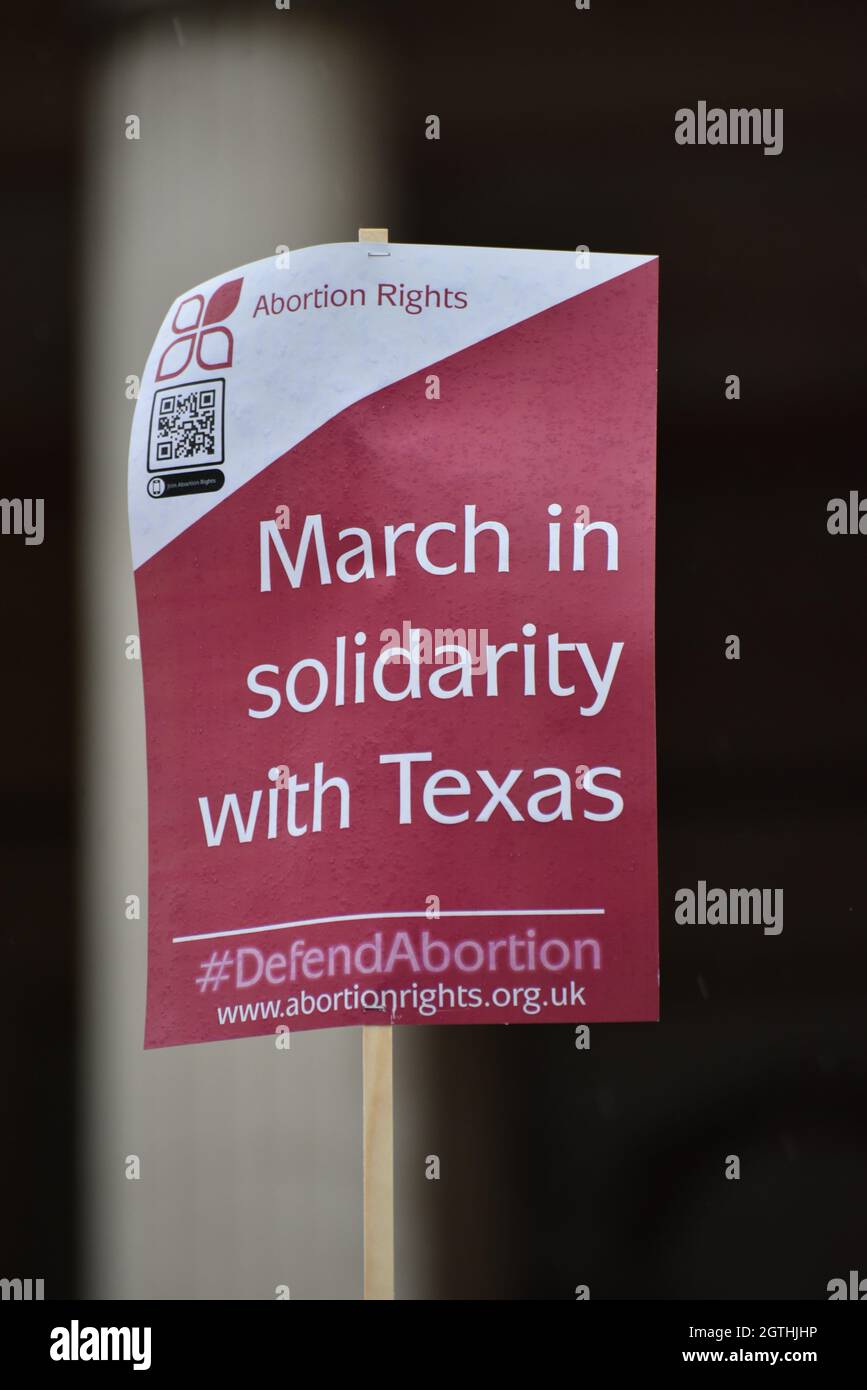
378,1115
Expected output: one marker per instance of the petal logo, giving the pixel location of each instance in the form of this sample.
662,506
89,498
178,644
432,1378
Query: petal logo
201,332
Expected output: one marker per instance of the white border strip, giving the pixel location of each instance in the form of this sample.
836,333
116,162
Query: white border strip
386,916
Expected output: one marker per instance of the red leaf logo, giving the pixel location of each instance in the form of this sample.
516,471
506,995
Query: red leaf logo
214,348
189,312
223,301
176,357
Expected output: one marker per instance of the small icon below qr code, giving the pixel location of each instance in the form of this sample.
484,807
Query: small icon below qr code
187,426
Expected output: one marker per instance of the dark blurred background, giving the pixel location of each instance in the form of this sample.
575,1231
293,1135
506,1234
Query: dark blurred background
557,129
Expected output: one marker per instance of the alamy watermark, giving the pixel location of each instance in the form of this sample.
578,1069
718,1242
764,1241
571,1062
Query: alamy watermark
738,126
22,1290
23,517
431,647
77,1343
730,906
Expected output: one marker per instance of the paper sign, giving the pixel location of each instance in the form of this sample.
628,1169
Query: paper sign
392,517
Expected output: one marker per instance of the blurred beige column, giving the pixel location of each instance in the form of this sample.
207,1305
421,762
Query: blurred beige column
257,130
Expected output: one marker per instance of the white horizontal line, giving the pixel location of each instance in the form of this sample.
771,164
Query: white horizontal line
384,916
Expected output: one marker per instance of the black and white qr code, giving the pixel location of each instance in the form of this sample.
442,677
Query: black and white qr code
187,426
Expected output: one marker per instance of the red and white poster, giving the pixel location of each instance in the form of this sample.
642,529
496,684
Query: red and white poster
392,516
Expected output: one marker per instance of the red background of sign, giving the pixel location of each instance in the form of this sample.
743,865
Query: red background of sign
558,408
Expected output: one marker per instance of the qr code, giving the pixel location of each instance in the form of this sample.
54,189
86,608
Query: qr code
187,426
